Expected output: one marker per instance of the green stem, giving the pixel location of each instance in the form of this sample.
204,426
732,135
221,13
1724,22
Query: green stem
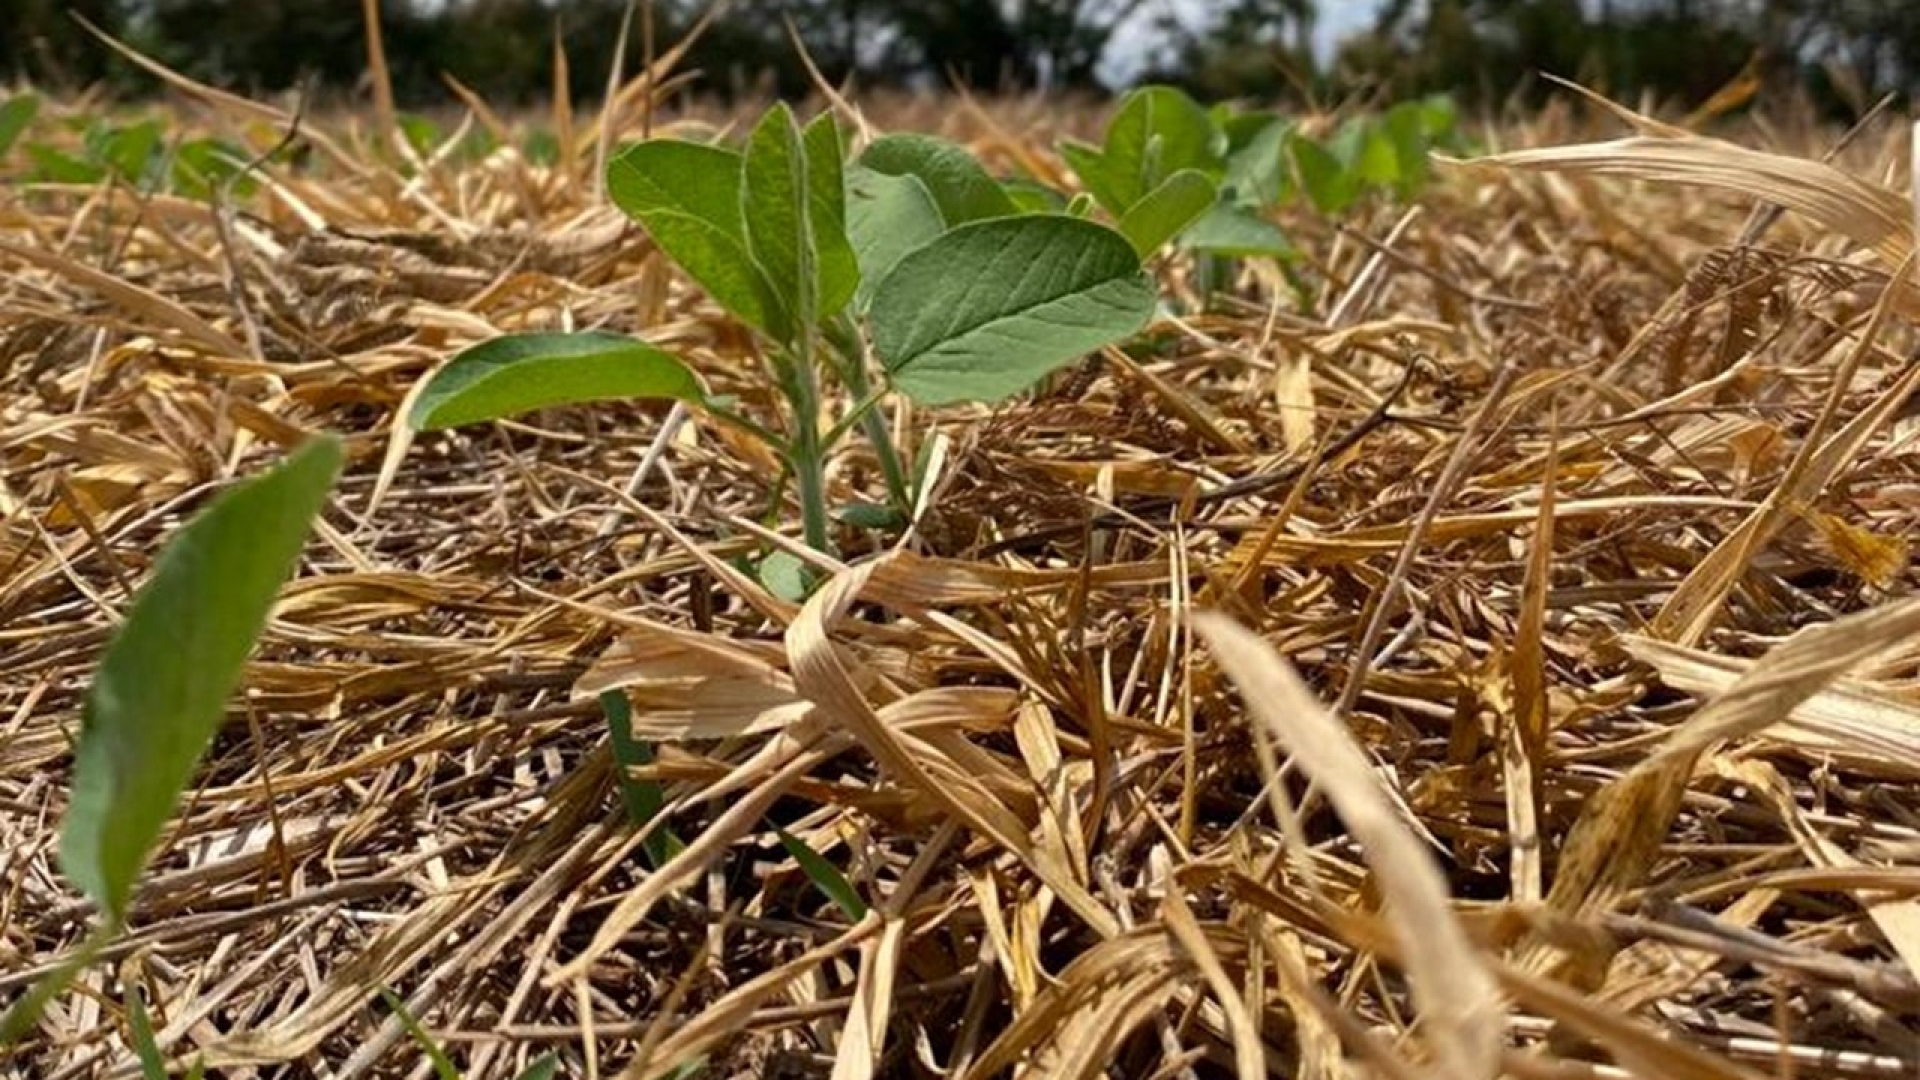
846,341
807,451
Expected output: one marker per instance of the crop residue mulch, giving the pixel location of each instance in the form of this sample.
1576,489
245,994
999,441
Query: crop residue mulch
1545,466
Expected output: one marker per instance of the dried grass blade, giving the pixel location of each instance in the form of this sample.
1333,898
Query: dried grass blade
1463,1016
1523,750
132,297
824,680
1640,1050
1688,614
1851,723
688,685
863,1041
1619,832
222,99
1089,1010
1866,213
1896,917
738,820
1243,1029
733,1013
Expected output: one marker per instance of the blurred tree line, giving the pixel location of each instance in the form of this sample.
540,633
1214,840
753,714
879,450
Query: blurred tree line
1479,50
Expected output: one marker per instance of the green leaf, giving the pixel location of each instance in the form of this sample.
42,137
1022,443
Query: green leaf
543,1067
1236,231
1405,128
825,876
1256,165
1098,176
54,166
836,265
866,515
960,187
132,152
887,216
541,147
26,1009
785,576
1378,163
519,373
1159,216
642,799
1033,197
990,307
1157,132
201,165
687,196
15,115
1440,121
779,217
162,687
421,133
1328,182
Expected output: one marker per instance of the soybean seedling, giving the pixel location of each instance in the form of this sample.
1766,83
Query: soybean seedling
910,255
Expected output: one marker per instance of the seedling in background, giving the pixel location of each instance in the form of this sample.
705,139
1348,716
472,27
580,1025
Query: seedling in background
1208,180
912,255
137,154
16,113
1168,169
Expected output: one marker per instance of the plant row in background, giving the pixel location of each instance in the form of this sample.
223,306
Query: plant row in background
89,149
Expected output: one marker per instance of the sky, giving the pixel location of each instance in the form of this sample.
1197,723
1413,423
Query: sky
1133,44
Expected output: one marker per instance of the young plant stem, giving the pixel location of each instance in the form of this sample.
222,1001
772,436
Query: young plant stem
873,422
806,451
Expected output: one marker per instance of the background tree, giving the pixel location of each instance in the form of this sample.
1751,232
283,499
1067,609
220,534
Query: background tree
40,38
1243,48
1681,50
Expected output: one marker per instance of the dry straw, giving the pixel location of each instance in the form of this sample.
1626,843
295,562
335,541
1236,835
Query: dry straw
1647,688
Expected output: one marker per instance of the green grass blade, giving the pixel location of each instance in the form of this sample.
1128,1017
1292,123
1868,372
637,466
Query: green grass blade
642,799
519,373
153,1064
163,685
825,876
541,1068
443,1066
25,1010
